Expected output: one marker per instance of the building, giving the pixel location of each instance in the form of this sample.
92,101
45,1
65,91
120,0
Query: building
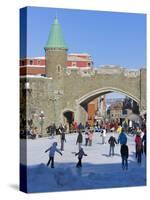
91,110
115,111
37,65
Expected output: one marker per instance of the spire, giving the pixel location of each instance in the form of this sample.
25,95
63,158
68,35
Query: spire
55,39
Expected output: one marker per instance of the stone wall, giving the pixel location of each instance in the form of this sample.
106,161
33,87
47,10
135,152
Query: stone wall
76,88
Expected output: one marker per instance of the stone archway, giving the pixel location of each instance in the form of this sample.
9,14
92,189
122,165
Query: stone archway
85,99
95,93
68,119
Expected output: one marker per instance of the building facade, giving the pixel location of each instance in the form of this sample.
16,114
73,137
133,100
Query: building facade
37,65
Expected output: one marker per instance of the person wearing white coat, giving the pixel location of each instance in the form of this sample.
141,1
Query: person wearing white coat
52,151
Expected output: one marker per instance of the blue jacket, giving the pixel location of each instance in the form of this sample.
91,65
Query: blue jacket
122,138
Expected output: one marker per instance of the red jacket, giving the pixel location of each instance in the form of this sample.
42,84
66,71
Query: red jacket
138,139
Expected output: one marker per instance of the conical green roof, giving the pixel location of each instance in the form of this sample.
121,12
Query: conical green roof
55,39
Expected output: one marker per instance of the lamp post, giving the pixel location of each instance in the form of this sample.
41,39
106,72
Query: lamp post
42,117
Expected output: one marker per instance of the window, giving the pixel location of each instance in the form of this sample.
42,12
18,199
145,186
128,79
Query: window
74,64
58,68
89,64
31,62
22,63
39,62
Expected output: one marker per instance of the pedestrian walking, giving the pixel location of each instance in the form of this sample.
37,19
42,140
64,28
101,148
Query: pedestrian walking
79,140
124,155
80,156
52,151
112,141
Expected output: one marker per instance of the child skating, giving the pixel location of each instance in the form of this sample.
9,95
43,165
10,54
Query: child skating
52,151
80,156
112,141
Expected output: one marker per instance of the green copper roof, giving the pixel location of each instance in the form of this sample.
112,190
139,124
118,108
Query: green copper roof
55,39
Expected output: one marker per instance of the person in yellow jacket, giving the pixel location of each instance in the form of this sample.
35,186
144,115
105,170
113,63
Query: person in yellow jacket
119,129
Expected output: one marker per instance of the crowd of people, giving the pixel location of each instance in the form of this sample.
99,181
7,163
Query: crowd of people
122,139
86,132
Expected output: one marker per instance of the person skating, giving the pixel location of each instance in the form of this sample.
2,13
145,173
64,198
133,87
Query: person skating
79,139
86,138
139,148
53,130
122,139
90,134
124,155
144,142
112,141
52,151
62,138
80,156
103,134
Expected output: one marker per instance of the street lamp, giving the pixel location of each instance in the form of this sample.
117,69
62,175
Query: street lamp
41,117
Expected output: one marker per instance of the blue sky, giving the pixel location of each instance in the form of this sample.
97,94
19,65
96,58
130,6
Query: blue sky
109,37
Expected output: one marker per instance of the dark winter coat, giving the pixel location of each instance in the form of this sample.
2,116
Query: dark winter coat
81,153
124,151
144,139
63,136
79,138
112,141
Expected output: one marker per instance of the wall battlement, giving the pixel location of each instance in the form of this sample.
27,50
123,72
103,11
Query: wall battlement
104,70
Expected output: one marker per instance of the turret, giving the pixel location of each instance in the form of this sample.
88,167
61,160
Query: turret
55,51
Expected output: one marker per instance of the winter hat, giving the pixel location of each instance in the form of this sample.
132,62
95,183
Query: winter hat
55,144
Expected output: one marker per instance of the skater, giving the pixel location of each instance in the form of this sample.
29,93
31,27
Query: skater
139,148
103,134
144,142
122,139
137,140
119,129
79,140
90,134
124,155
62,138
86,138
52,150
112,141
80,156
53,130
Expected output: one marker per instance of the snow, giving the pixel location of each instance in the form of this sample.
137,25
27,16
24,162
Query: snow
99,170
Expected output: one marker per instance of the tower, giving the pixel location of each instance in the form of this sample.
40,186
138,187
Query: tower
55,52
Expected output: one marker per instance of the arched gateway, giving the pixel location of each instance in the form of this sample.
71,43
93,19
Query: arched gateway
65,92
